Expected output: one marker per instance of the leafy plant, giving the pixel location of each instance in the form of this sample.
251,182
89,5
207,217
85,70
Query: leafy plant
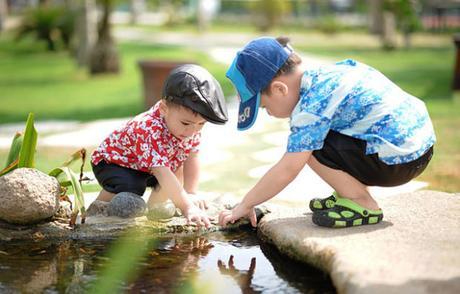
22,154
22,150
67,178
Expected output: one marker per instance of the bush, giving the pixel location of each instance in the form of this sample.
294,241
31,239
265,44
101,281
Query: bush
49,24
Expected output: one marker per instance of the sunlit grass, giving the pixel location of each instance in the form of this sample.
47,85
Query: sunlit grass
51,85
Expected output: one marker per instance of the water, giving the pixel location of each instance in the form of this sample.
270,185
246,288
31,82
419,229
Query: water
233,262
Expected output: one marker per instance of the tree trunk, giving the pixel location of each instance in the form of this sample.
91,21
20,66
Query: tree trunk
3,13
104,56
376,17
86,29
136,8
389,31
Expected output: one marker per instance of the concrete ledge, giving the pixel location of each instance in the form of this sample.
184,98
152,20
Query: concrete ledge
414,250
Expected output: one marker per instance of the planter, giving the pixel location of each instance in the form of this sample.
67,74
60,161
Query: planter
154,74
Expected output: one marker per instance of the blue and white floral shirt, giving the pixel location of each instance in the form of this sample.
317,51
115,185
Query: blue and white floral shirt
356,100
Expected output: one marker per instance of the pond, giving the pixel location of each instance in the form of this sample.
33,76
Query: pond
220,262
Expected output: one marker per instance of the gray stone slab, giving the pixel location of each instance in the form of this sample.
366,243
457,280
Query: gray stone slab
414,250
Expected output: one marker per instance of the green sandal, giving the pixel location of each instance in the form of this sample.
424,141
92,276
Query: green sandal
317,204
346,213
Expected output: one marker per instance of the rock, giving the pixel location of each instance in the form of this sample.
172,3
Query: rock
98,208
413,250
64,211
28,196
107,228
161,211
126,204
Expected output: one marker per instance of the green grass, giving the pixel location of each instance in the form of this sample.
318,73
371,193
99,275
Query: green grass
51,86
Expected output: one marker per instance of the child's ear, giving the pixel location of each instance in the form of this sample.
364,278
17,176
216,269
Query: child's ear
279,88
163,107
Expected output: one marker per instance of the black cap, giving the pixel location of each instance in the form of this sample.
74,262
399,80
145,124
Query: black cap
194,87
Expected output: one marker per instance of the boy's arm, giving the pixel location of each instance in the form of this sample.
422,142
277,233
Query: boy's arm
192,177
273,182
171,186
191,173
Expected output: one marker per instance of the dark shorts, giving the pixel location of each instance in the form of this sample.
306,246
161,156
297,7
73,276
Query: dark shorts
115,179
349,154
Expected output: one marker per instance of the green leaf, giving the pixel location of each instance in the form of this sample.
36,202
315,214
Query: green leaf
27,153
9,168
15,148
79,203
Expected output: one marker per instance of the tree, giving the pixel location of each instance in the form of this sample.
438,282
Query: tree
406,17
86,32
3,13
269,12
376,17
104,56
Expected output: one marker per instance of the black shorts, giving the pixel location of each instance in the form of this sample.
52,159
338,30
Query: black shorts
115,179
349,154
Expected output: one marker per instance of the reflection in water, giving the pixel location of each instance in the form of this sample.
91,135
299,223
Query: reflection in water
242,277
172,266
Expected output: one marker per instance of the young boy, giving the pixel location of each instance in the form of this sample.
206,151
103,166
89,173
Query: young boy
348,122
159,148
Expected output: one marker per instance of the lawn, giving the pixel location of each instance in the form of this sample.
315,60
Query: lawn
51,85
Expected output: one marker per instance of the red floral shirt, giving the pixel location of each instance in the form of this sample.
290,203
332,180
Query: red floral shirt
145,142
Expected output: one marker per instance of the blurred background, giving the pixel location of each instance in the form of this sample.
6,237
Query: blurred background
80,61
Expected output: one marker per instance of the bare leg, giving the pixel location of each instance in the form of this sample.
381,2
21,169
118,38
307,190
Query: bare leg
344,184
158,195
105,196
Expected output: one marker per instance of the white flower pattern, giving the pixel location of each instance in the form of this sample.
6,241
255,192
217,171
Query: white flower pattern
359,101
145,142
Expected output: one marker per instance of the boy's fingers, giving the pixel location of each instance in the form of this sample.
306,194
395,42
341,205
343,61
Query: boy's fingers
222,215
207,224
253,218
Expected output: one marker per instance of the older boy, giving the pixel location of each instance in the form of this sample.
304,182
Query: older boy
159,147
348,122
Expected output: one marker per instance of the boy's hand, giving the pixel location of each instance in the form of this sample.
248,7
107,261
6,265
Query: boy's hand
198,201
236,213
194,214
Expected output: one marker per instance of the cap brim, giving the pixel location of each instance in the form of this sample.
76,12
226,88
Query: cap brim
247,112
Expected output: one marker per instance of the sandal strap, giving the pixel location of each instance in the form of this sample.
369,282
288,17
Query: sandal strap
353,206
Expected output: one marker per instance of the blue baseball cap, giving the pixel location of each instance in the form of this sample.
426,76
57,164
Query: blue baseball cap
251,71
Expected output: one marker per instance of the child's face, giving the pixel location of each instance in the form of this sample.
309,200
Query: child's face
182,122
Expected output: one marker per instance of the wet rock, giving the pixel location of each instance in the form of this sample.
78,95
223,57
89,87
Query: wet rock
98,227
28,196
126,205
97,208
161,211
64,211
